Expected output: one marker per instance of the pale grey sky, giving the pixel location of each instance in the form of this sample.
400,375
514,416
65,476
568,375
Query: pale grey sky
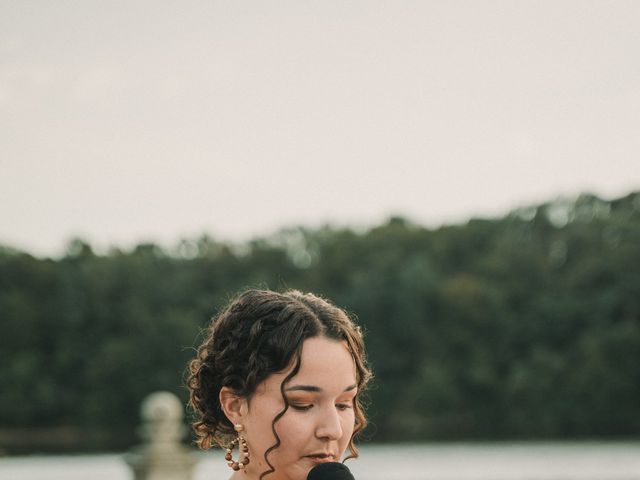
123,121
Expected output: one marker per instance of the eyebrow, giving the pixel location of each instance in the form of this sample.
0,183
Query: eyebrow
313,388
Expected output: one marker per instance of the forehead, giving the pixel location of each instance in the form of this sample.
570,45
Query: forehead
324,363
324,358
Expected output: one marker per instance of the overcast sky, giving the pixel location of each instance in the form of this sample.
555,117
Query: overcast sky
154,120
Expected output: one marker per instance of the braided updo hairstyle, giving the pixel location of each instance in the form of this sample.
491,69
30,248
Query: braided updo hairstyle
260,333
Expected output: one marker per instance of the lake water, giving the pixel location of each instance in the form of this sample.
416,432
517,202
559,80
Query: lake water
457,461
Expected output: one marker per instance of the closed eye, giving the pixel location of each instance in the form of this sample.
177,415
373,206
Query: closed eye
301,407
343,406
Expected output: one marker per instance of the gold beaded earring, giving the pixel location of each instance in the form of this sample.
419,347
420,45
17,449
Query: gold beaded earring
243,457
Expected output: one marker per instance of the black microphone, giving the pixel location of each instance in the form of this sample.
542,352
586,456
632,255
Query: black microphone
330,471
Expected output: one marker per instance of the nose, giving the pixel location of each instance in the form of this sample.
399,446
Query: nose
329,426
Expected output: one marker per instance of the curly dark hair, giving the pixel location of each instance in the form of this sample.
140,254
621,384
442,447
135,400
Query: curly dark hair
259,333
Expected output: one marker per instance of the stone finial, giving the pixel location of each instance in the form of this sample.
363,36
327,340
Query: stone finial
162,455
162,415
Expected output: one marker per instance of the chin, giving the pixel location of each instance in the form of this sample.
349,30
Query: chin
298,471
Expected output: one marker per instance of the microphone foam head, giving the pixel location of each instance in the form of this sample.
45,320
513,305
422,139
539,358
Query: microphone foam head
330,471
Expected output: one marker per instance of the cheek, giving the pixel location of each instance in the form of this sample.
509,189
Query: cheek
259,432
295,437
348,426
294,430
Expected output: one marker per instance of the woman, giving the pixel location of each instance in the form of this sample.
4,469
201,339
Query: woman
279,376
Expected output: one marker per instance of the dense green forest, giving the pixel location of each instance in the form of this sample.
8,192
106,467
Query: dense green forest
526,326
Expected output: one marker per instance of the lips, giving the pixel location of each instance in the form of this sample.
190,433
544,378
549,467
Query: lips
320,457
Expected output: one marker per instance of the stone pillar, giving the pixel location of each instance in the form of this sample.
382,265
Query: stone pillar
161,456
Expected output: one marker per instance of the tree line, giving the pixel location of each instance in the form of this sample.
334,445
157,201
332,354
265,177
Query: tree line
525,326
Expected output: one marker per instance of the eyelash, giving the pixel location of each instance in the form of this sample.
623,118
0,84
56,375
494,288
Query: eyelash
304,408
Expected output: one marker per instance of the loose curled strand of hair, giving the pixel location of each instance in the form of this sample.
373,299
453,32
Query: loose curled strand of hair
364,375
280,414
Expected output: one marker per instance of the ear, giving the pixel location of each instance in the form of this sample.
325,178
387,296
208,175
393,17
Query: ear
233,405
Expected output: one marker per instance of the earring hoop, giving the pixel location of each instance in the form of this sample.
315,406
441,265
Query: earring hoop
243,458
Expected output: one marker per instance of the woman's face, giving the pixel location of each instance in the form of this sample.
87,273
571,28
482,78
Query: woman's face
320,420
